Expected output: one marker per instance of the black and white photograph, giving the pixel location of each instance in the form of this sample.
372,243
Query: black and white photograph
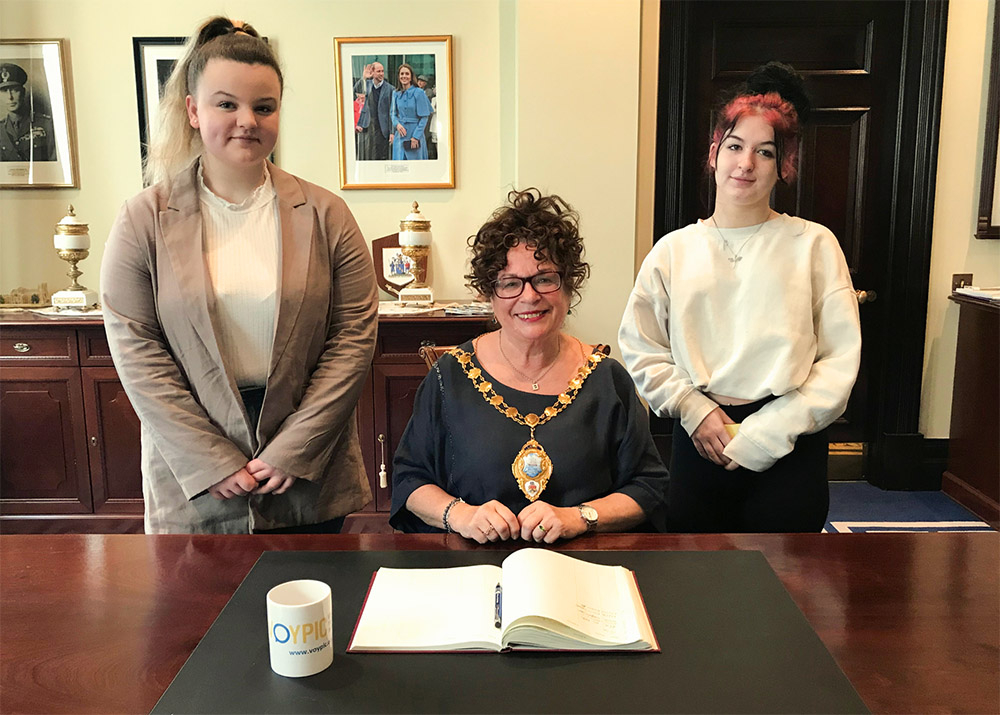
154,58
395,103
36,128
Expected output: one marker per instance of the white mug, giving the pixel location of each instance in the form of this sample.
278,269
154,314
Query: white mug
300,628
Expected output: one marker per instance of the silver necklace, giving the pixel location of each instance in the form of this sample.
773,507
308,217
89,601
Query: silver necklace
736,257
533,383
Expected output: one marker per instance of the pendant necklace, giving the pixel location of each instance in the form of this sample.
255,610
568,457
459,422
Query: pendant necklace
534,383
532,467
735,258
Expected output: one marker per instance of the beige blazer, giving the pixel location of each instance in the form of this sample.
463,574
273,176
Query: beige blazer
159,308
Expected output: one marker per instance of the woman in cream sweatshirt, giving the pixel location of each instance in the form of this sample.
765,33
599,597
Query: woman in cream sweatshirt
744,327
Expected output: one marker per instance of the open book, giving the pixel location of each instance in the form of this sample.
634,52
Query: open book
536,599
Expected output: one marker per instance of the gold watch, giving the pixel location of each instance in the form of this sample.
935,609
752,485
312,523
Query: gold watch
589,515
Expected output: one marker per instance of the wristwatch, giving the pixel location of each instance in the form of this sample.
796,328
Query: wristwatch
589,515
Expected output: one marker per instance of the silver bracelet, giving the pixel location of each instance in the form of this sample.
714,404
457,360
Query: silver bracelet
444,517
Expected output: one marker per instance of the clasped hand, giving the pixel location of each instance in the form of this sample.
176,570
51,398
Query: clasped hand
258,477
710,439
539,522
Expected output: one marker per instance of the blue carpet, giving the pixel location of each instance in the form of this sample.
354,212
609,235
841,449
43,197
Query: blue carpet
858,507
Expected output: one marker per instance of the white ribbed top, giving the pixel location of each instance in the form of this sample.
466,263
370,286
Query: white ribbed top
242,246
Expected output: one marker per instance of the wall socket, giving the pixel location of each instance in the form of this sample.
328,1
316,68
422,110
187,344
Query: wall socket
960,280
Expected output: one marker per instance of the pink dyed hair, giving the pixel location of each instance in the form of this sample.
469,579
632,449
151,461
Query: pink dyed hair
777,112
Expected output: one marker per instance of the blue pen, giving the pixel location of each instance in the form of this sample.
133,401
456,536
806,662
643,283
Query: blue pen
497,605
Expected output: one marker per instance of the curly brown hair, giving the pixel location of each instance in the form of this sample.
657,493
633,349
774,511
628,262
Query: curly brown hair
546,223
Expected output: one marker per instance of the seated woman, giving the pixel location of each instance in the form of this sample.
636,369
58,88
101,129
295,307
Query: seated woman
526,432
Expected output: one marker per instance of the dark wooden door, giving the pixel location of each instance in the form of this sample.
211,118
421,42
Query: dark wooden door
861,60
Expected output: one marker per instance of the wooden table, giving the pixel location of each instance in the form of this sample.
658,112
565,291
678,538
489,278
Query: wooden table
102,623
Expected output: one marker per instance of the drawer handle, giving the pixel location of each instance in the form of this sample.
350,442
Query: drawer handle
22,347
428,344
383,477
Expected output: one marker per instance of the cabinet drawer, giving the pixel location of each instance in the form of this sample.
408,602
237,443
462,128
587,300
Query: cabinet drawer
94,350
48,347
399,342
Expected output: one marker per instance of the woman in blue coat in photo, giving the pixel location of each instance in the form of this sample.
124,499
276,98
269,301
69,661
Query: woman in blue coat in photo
409,113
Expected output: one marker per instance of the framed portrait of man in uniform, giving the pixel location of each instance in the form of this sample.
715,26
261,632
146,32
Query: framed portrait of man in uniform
37,131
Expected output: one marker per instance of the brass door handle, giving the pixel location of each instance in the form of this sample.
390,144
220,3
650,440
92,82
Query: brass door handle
866,296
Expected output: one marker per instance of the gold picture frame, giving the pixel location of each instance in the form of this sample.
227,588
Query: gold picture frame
366,152
37,125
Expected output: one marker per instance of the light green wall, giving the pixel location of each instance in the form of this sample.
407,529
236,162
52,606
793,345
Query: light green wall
955,249
577,123
509,131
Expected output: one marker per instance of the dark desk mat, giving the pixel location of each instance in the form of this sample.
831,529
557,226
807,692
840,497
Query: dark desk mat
732,640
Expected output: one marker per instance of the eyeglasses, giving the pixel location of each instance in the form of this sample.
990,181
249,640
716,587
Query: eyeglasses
513,286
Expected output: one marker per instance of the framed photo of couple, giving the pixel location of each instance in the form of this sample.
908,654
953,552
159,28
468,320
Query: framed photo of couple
396,118
37,134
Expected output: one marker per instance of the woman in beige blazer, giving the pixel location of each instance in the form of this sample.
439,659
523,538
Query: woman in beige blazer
240,305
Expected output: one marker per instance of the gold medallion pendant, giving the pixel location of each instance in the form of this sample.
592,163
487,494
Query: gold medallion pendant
532,469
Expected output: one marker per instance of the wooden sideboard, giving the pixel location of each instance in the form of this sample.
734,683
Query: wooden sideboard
69,439
973,475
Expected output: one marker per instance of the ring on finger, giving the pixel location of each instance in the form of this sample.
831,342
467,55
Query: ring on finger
542,528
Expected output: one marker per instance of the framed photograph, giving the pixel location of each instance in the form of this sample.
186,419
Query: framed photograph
37,131
154,58
396,109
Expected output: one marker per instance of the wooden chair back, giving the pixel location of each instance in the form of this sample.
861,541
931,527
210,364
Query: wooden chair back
431,353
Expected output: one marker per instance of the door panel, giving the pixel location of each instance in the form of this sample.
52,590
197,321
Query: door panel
395,388
113,434
43,462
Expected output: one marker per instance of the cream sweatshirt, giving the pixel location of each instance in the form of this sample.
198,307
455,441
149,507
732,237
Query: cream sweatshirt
783,322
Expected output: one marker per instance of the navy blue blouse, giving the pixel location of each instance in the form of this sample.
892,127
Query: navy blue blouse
599,445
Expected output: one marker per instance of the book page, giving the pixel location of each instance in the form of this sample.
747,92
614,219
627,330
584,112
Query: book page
430,609
594,599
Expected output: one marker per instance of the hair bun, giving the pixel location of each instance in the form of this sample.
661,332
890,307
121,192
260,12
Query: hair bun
219,26
783,79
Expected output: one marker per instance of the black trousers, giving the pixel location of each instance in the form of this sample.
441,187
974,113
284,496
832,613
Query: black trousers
791,496
378,144
324,527
253,400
